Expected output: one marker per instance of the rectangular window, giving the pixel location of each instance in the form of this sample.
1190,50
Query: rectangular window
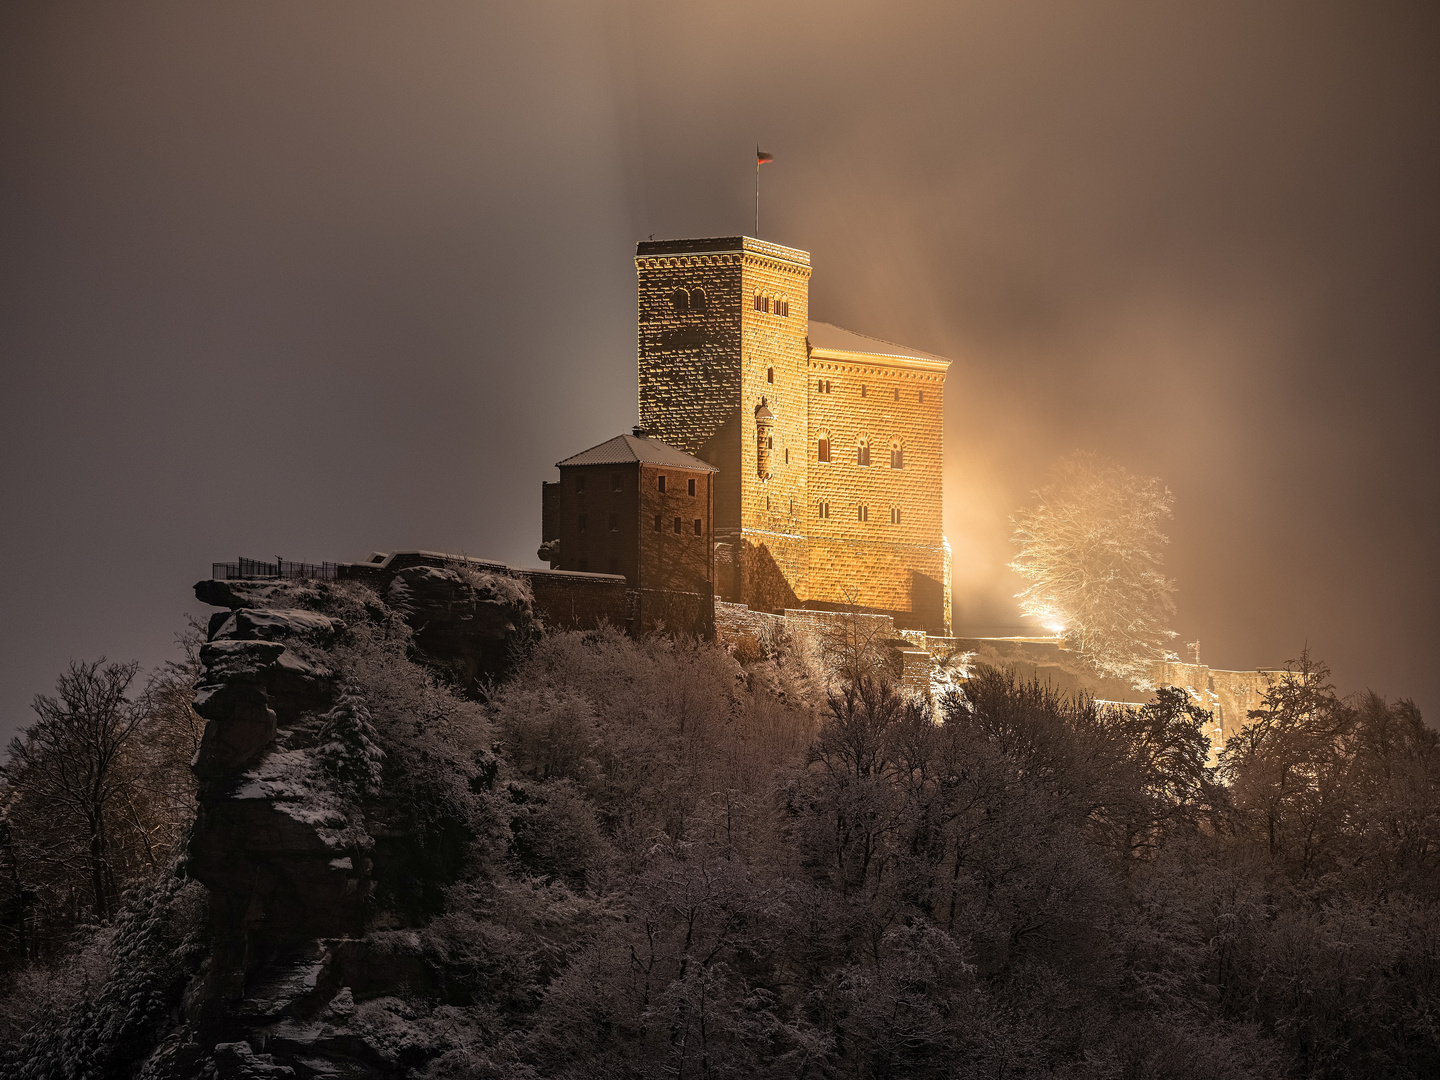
823,449
897,393
677,525
692,487
862,455
657,522
824,510
862,513
699,527
895,516
897,458
614,522
580,525
922,397
662,481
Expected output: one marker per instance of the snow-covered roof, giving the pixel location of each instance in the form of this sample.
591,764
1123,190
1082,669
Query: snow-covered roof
624,449
826,338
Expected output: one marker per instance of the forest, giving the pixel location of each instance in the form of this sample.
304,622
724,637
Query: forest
658,858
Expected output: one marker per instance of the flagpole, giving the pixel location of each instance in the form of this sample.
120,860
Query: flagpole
757,191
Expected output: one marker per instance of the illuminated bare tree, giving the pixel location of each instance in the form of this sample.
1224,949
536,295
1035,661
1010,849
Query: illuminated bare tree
1090,548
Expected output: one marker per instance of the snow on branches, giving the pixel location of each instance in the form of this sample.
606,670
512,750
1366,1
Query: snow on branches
1090,549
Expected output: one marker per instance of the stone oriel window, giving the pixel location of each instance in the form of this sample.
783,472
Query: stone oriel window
897,456
862,454
661,481
691,483
681,300
822,448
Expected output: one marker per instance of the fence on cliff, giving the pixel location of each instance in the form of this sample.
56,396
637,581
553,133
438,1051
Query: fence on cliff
283,569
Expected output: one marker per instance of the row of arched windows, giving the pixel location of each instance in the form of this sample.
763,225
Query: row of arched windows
824,386
824,449
862,512
772,305
686,300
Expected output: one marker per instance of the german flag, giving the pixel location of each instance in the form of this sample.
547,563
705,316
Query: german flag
761,157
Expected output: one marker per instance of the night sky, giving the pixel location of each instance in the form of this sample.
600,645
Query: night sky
320,279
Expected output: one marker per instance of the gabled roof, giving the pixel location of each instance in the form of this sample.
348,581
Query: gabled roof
825,338
626,449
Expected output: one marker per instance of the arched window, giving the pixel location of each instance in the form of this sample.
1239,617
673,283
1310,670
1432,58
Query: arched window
822,448
762,303
681,299
862,453
897,456
697,299
770,375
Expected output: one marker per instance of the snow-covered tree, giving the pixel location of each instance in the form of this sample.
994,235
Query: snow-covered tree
1090,548
347,741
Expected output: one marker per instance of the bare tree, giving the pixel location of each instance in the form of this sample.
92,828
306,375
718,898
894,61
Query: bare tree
70,764
1090,548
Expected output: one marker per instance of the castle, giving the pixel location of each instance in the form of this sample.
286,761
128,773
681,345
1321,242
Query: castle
829,490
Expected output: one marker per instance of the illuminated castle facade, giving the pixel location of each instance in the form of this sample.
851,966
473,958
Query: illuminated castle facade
829,487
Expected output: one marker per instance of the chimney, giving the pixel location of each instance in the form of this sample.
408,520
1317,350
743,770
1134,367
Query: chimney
638,432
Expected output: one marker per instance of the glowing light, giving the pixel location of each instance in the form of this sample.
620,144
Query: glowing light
1055,628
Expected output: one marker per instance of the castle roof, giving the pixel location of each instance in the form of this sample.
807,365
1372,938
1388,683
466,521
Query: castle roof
846,344
627,449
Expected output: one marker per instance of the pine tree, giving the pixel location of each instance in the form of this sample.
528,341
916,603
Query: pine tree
347,742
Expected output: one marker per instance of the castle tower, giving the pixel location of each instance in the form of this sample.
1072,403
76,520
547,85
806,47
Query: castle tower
723,357
830,487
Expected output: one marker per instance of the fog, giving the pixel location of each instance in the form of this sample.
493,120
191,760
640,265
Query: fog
315,280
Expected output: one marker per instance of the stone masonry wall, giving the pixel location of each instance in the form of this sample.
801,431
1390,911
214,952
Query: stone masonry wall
877,562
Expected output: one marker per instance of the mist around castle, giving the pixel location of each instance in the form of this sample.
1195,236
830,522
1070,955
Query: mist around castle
721,791
507,583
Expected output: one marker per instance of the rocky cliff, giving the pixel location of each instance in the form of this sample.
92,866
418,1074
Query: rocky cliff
341,787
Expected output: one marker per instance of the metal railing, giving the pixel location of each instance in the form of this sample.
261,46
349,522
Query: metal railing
283,569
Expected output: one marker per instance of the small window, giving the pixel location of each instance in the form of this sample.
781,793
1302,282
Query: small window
897,393
895,515
862,455
823,449
792,507
782,308
681,301
677,525
657,522
787,455
769,442
824,509
580,483
614,522
770,375
699,527
862,391
691,483
697,299
897,457
922,397
862,513
827,386
662,481
580,524
762,303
